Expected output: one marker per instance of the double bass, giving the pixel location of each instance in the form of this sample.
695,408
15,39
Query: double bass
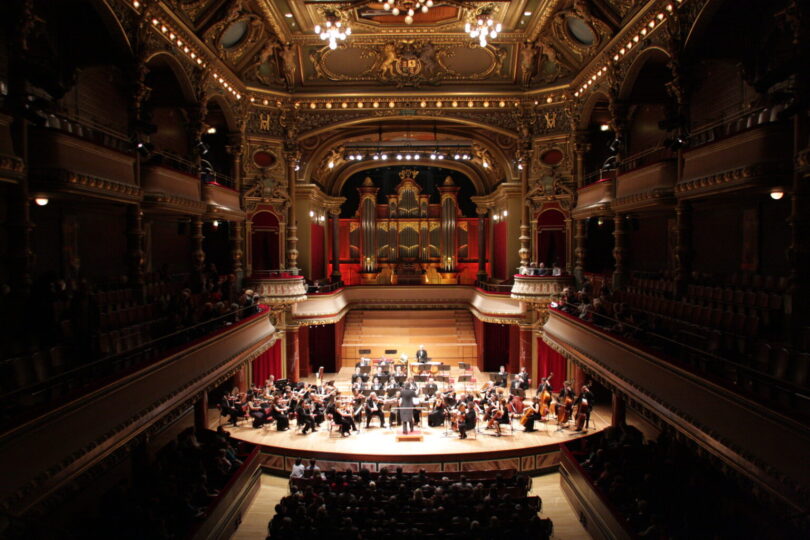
582,414
545,396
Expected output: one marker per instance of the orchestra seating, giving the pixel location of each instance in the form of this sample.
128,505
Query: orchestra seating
479,504
447,335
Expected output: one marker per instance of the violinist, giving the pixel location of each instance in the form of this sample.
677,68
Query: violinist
256,412
304,415
465,420
374,407
343,422
430,387
358,404
437,414
278,411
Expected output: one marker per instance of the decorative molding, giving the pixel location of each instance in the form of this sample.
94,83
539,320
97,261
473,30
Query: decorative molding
62,179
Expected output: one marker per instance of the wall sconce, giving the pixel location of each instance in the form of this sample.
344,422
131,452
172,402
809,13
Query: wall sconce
41,201
777,193
505,213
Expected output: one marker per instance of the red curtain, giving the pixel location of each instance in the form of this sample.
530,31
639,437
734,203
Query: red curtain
268,363
550,361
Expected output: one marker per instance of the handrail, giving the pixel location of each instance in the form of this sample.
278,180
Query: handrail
280,272
761,376
111,365
90,131
493,287
646,157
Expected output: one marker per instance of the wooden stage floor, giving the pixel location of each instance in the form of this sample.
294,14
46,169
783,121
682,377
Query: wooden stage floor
376,447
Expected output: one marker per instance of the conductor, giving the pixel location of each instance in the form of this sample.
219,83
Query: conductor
421,354
406,397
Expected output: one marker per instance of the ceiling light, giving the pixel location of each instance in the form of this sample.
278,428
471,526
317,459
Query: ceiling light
333,29
43,201
384,157
409,7
211,130
776,194
457,156
484,27
399,157
391,104
527,13
455,104
604,127
288,15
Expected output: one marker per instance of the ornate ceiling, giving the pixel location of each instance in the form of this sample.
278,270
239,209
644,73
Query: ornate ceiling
271,44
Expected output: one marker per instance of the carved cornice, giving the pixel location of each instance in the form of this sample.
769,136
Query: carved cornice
159,200
727,180
537,289
68,181
653,198
12,168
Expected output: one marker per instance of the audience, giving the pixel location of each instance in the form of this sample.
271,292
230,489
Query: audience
367,505
663,490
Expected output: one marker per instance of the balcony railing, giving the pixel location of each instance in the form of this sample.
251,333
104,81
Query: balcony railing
81,379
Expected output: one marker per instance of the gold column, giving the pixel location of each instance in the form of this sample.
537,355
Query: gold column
292,228
580,234
334,213
197,252
619,250
237,249
525,161
482,244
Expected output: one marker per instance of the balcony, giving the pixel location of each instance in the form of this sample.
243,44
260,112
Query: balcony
646,188
594,199
716,418
91,425
169,190
222,201
11,165
279,288
738,161
539,289
71,163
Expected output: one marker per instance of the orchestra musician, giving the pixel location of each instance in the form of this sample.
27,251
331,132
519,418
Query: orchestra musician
438,412
531,414
305,417
430,387
421,355
465,420
406,405
342,421
381,375
525,381
565,401
584,404
359,376
501,377
377,385
374,408
279,412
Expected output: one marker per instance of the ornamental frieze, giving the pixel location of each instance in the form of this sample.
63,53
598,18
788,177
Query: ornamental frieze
408,62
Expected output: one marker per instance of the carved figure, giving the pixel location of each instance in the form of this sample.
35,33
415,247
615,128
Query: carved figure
428,58
288,58
527,62
389,60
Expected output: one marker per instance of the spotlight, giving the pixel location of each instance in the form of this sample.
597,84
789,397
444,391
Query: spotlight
776,194
433,156
384,157
457,156
376,157
43,201
399,157
407,157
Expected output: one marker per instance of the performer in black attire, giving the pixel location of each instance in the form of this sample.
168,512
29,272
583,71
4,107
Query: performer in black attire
304,416
430,387
374,408
467,422
501,377
421,354
406,397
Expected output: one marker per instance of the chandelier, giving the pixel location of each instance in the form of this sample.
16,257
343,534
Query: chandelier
333,29
484,27
409,7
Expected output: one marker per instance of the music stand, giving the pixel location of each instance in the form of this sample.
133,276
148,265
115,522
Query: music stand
366,369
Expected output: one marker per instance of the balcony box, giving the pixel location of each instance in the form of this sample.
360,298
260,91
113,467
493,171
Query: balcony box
647,187
594,199
222,201
538,289
173,191
279,289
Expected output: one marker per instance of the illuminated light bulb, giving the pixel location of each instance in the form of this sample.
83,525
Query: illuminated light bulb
384,156
359,104
344,105
549,100
776,194
502,104
391,104
43,201
423,104
312,106
470,104
376,104
328,104
439,104
399,157
455,103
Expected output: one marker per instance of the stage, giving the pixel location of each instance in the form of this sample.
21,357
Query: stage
440,450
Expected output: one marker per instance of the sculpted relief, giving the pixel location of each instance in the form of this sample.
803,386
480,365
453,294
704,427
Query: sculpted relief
407,62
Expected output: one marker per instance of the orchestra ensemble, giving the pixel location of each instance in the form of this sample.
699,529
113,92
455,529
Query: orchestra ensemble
389,397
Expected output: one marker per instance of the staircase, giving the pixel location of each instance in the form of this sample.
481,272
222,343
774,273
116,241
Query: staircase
447,335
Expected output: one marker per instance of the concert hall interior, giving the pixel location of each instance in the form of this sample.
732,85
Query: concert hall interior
440,268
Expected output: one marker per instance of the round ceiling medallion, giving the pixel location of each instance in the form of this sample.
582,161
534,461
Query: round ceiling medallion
263,158
233,34
580,30
552,157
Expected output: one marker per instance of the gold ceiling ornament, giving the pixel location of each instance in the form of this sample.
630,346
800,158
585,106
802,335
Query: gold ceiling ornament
408,7
406,174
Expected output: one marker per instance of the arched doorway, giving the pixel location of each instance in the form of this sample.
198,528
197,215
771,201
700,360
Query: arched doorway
264,242
551,238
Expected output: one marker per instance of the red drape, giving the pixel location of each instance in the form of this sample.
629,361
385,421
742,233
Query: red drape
550,361
268,363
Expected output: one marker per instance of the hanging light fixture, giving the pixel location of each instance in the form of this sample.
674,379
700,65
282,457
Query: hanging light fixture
333,29
408,7
484,27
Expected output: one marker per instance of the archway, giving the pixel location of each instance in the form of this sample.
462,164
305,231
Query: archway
551,249
265,246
